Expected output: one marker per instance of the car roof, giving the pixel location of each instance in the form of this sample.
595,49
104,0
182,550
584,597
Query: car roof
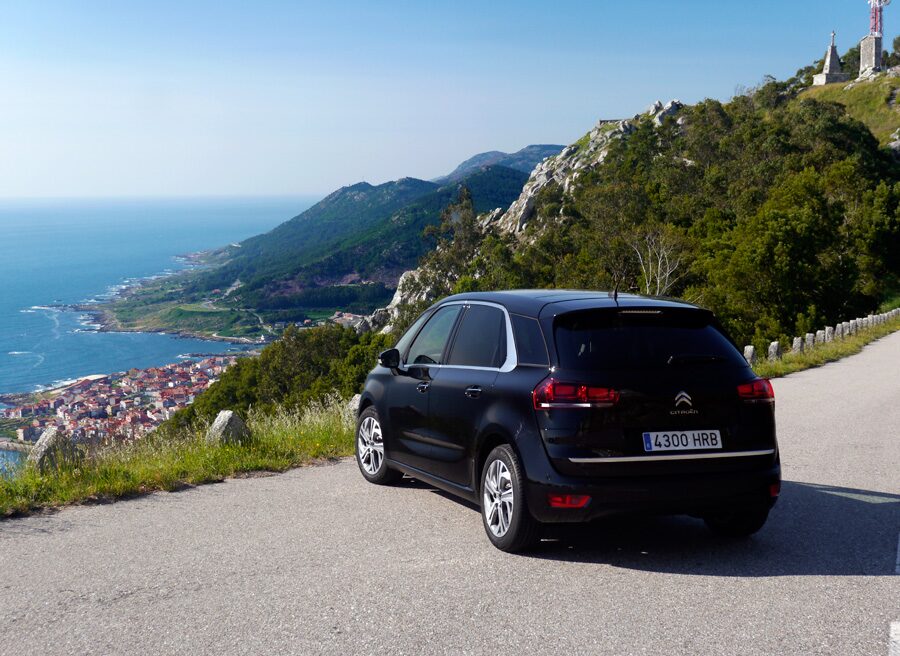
543,302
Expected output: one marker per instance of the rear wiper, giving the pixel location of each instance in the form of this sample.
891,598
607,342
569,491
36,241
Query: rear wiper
693,358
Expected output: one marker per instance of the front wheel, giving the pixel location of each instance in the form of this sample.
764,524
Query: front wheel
507,522
738,523
370,450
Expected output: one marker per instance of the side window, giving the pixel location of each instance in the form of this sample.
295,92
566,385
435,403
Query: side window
411,332
429,344
530,345
481,338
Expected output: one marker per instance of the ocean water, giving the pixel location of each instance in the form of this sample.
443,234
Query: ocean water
69,251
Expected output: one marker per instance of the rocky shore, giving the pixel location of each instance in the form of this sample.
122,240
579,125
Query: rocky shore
14,445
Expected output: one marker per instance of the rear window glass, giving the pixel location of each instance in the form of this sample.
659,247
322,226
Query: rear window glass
530,346
641,340
481,338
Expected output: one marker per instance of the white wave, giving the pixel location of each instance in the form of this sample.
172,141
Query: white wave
20,353
28,311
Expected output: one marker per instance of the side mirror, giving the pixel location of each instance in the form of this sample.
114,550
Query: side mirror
390,359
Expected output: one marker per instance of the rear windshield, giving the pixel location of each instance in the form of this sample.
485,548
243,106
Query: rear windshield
635,339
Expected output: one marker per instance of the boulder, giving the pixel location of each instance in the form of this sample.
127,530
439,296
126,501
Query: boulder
750,354
353,405
774,351
53,449
228,428
797,346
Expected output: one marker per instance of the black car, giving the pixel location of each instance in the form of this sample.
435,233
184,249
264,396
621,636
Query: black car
565,406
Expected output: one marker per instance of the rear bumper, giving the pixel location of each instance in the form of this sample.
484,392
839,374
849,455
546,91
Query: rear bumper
691,494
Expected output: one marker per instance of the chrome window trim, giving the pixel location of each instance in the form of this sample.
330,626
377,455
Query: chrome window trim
511,356
691,456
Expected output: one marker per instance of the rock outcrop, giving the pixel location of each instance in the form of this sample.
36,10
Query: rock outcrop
564,169
382,318
53,449
228,428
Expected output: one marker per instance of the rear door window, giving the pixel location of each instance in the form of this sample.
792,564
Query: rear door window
481,338
428,347
641,339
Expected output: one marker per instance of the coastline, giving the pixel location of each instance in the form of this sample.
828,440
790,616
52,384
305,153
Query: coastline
7,444
103,319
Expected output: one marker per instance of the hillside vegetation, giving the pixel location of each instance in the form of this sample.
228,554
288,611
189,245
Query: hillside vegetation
778,212
873,103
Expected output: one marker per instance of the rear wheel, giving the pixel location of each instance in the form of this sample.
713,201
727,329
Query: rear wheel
507,522
738,523
370,450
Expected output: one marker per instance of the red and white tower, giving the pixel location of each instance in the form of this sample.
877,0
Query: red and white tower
870,46
876,20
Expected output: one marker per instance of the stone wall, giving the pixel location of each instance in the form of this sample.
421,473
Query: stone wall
828,334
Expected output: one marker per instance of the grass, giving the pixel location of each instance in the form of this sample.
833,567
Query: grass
8,427
286,439
157,462
867,102
824,353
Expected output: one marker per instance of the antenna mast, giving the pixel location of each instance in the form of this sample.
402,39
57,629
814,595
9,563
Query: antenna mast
876,20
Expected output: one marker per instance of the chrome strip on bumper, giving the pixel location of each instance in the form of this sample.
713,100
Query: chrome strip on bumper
689,456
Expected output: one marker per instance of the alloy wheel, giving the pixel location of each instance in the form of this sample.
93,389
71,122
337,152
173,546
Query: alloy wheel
370,445
498,498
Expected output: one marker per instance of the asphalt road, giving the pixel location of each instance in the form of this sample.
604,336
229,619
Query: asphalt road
317,561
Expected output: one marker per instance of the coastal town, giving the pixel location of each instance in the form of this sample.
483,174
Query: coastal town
126,405
118,406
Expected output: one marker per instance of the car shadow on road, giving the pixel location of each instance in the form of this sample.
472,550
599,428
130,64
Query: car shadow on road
813,530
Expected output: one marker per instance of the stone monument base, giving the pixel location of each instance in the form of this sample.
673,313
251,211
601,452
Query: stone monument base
829,78
869,55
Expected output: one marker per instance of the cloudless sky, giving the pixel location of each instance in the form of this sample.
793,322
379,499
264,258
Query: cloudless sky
106,98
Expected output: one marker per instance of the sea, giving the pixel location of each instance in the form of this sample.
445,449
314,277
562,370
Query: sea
64,251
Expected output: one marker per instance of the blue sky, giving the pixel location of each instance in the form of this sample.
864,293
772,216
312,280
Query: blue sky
246,98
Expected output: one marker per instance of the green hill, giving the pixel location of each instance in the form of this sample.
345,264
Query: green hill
523,160
873,103
278,254
777,210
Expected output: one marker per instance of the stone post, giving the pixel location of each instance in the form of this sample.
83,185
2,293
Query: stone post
854,326
829,334
810,341
797,346
774,351
750,354
820,337
838,331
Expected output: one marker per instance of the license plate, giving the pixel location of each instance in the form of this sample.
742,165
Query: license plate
682,440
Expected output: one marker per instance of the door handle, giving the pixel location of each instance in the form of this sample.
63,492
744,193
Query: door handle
473,392
423,387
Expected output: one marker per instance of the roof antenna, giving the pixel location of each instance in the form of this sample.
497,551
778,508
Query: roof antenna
616,291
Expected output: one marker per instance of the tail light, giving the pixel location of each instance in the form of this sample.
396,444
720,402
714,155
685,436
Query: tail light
568,500
757,390
551,393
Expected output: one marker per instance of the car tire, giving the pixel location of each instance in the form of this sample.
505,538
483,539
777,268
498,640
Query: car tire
738,523
504,510
370,450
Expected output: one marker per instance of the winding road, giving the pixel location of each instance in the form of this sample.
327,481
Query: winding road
316,561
